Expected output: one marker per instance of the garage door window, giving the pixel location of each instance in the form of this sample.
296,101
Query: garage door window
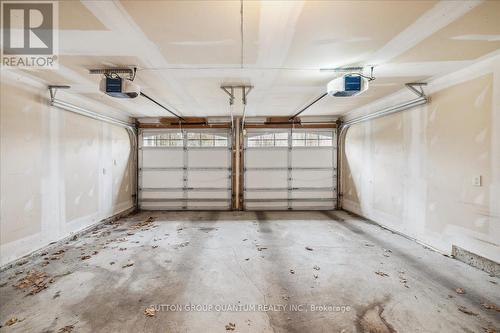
307,139
163,140
268,140
207,140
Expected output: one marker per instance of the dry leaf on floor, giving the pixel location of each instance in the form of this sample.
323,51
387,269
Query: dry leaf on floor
460,290
381,273
142,224
150,312
181,245
491,307
67,328
128,265
85,257
489,330
466,311
230,327
11,321
35,280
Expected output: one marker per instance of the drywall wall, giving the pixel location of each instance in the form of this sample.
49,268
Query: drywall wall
60,172
413,171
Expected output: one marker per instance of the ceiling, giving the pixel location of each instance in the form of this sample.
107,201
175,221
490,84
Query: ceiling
184,50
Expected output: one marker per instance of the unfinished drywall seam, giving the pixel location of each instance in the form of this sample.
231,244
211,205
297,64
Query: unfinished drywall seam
277,25
116,18
52,192
439,16
416,221
38,208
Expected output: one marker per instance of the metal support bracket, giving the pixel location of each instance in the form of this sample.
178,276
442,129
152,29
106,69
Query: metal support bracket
53,91
229,89
230,92
420,92
121,70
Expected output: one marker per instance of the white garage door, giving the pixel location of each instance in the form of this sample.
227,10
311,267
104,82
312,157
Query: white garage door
185,169
289,169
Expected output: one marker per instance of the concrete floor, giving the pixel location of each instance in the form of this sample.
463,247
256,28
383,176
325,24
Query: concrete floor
376,281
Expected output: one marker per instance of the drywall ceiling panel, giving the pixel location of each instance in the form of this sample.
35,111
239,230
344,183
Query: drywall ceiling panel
334,33
196,32
49,77
186,49
475,34
74,16
206,97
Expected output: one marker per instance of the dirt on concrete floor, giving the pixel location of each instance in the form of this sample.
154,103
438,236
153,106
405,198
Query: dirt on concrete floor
245,272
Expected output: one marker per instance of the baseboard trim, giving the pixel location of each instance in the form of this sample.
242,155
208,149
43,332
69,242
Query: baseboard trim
475,260
79,233
399,233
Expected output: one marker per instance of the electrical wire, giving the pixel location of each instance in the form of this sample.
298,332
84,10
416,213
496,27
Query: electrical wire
244,116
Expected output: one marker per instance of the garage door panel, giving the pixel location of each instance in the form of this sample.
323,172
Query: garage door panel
312,158
266,179
208,178
164,205
299,173
209,195
266,195
156,158
209,158
266,158
187,169
308,178
208,205
312,205
296,195
266,205
177,194
162,178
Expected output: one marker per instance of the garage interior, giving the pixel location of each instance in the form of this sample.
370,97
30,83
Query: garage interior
264,166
